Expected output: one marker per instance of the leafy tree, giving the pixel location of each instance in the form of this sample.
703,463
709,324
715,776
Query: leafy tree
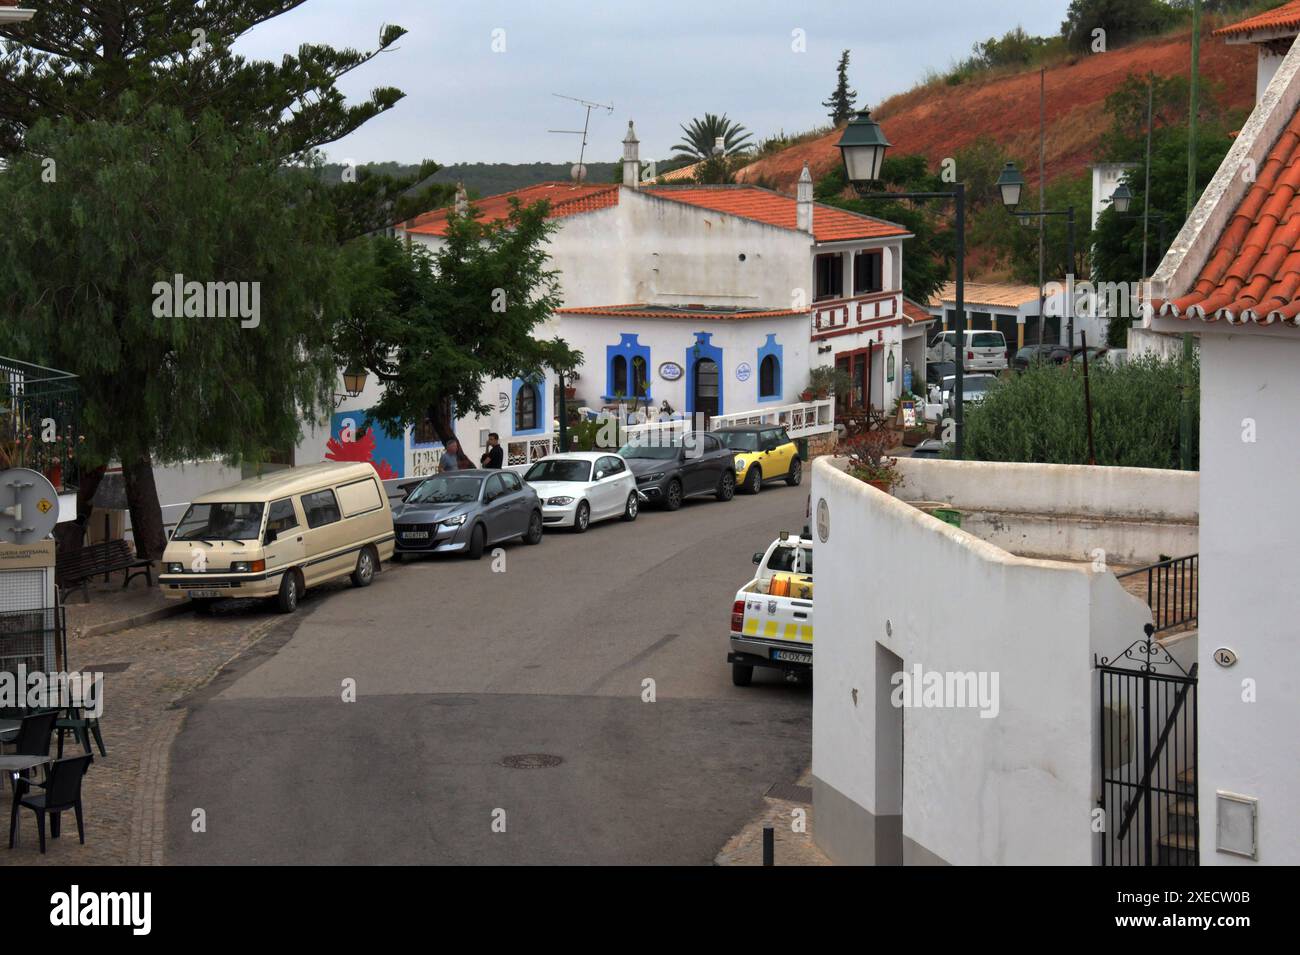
1122,20
138,202
928,257
84,61
841,102
702,135
435,325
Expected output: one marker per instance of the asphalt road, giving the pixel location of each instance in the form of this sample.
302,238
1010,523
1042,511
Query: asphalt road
459,665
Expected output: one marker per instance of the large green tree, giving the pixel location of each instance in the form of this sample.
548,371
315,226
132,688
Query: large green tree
101,218
435,325
841,102
701,136
81,62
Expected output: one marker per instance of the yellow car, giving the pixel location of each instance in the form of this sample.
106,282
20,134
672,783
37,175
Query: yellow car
763,453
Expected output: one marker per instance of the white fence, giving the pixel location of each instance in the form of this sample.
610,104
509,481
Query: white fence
527,450
801,420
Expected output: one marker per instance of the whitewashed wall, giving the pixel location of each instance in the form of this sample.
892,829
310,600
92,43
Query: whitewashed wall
1248,600
1015,789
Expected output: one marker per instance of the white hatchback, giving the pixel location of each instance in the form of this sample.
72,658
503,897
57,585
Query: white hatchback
582,487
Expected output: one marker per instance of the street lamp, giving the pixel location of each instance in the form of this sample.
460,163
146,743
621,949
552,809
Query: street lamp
1121,198
1011,182
354,382
862,148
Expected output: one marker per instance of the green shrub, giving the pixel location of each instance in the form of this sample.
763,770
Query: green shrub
1038,416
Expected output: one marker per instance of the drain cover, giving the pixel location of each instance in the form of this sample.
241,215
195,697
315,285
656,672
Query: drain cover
532,761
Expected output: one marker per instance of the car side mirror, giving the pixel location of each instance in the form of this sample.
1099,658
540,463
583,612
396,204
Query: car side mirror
758,558
271,536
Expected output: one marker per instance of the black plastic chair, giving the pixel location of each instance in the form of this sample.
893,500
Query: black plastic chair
62,792
80,726
34,735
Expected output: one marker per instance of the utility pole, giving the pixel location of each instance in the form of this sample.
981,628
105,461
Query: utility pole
1184,402
1042,193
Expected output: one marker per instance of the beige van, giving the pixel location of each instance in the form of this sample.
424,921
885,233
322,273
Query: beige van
276,535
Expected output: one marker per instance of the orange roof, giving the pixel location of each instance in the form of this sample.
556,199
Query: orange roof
915,313
713,312
566,199
1253,271
763,205
1285,17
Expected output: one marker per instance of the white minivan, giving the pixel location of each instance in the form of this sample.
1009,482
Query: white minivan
985,350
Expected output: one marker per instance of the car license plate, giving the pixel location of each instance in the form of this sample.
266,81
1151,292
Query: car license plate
789,656
415,535
205,593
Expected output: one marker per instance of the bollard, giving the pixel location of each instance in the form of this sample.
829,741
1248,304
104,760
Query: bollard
769,845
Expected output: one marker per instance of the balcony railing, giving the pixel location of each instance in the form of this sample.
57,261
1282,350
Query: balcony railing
802,420
1171,591
40,410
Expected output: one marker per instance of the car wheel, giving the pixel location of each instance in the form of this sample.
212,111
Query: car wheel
582,517
630,509
286,601
673,496
754,479
534,535
477,541
796,473
741,675
365,572
727,486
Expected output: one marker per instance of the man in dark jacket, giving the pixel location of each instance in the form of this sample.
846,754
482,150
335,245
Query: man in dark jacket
494,456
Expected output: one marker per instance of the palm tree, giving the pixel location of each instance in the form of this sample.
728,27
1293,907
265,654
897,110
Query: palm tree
702,135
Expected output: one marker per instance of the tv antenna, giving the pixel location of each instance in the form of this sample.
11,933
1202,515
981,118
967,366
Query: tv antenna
580,171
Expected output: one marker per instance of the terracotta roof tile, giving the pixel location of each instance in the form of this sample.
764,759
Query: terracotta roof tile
566,199
1285,17
915,313
763,205
1253,272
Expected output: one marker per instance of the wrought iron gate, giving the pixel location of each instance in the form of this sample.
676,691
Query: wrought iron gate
1148,757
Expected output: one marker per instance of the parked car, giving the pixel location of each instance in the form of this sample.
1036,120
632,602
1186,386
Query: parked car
276,535
937,371
772,615
973,389
682,466
1096,353
762,453
985,350
462,512
581,487
1040,354
929,448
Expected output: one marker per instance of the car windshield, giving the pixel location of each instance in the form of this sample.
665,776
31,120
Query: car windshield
446,490
562,469
783,559
971,384
739,440
939,369
232,522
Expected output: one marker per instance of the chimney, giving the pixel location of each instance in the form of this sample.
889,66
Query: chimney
462,200
804,202
631,158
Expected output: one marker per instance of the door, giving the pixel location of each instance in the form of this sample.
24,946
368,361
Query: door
518,503
693,464
608,489
324,523
496,509
776,460
285,524
706,388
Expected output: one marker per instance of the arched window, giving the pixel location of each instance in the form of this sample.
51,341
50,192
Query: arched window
769,377
526,408
619,384
638,376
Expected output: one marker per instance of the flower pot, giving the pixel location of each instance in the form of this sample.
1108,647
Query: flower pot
882,485
570,393
807,396
55,475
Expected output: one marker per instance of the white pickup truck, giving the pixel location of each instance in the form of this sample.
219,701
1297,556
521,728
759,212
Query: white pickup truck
771,618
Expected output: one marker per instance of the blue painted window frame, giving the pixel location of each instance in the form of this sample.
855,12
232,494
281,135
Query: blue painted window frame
774,351
704,348
542,425
627,348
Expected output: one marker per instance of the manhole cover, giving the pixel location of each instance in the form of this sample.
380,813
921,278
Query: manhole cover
532,761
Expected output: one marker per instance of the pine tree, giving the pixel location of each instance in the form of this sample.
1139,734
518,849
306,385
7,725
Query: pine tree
841,102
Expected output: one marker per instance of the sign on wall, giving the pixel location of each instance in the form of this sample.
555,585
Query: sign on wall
743,371
670,371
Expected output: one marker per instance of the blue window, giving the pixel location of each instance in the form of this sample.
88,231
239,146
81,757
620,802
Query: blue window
627,368
769,370
529,405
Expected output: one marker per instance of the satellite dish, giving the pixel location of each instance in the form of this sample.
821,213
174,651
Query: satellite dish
578,173
29,506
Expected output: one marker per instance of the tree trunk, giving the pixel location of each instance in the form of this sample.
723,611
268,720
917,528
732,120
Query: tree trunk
87,485
146,512
445,428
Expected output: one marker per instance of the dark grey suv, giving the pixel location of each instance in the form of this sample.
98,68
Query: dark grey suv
669,471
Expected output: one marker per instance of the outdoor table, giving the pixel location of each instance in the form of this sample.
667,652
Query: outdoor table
15,764
9,726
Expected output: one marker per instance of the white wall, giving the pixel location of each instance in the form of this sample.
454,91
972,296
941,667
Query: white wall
1015,789
1248,596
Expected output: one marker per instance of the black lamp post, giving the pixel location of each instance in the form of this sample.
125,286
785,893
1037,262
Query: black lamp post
1011,184
862,148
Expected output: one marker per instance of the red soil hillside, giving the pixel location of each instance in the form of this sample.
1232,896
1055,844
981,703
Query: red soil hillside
937,120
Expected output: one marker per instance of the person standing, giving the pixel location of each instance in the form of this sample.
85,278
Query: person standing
450,460
494,456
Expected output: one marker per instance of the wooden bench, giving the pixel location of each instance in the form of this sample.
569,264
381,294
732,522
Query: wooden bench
75,568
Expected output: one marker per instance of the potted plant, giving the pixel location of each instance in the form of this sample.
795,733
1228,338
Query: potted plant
826,380
570,390
869,460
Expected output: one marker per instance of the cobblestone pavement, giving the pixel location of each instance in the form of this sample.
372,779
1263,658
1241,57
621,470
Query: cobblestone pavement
147,670
786,817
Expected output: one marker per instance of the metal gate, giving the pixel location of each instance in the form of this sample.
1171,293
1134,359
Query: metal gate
1148,757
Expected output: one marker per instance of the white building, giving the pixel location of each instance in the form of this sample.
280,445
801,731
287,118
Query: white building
714,300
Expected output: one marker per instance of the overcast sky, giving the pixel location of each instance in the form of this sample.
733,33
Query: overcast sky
659,63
